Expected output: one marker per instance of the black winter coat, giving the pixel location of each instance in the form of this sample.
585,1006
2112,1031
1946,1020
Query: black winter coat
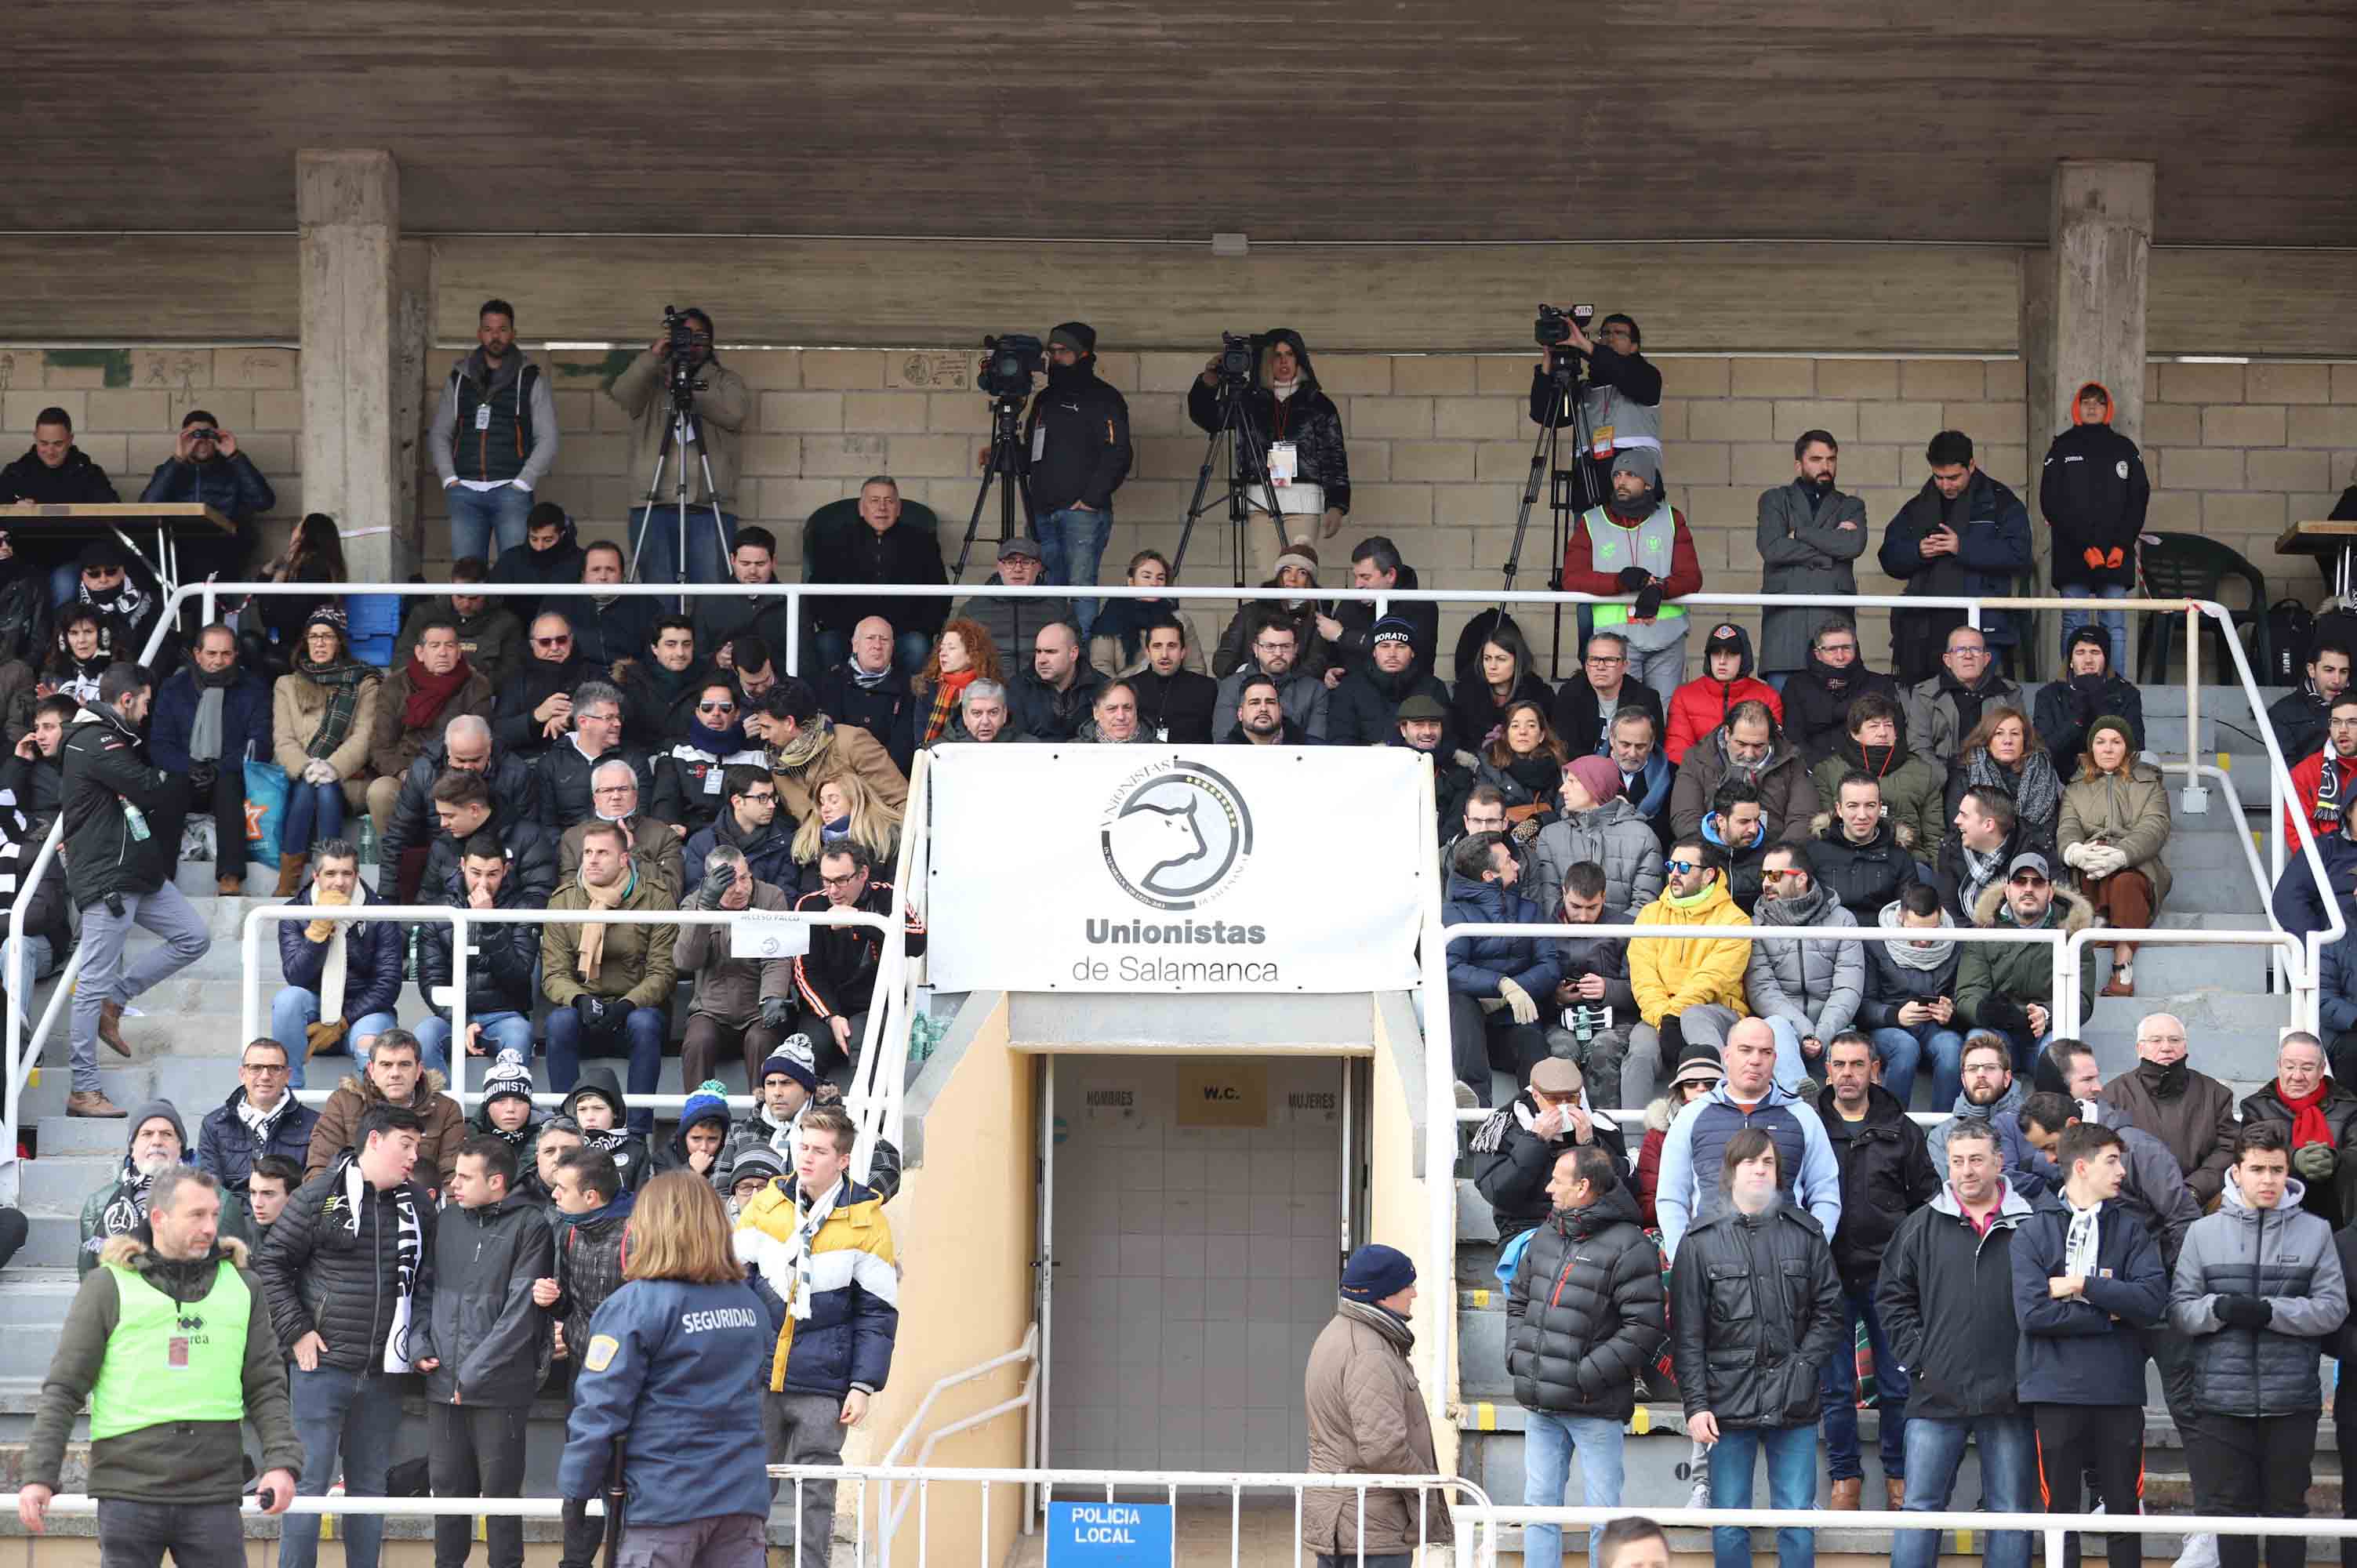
322,1276
104,767
2092,492
24,630
245,721
502,957
1511,1164
1581,722
902,553
1365,708
1586,1310
1309,420
769,851
2334,1199
1355,648
372,956
1890,986
533,682
2085,1349
226,1149
721,618
493,1342
1886,1174
1947,1300
1049,714
1862,877
564,796
589,1255
230,486
654,717
604,633
75,479
1756,1312
2063,710
690,787
535,572
1178,707
884,709
515,798
1816,704
1079,427
531,853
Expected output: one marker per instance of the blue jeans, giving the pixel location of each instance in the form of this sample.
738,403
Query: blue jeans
643,1031
1936,1447
2113,622
356,1415
314,811
707,561
41,963
294,1010
1903,1051
502,1032
1837,1389
479,517
1548,1442
909,651
1792,1067
1071,545
1791,1484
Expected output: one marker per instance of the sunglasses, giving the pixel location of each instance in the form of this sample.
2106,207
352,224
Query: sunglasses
550,641
2027,879
1683,867
715,707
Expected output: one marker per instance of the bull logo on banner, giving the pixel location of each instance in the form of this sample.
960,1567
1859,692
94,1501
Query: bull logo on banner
1176,835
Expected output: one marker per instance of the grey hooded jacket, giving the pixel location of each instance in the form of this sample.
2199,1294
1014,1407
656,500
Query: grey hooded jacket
2284,1255
1612,835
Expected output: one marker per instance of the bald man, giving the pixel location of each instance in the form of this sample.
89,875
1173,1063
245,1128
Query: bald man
2190,1112
868,688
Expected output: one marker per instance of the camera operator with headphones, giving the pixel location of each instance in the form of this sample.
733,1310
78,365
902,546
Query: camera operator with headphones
1288,409
1619,401
722,403
1078,438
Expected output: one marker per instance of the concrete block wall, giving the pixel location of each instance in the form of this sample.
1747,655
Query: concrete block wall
126,404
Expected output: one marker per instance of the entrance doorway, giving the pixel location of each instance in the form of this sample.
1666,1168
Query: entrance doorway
1197,1223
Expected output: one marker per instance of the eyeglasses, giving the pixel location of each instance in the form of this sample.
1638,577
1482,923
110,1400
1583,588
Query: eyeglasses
771,797
265,1068
1265,646
2029,880
845,881
550,641
1607,659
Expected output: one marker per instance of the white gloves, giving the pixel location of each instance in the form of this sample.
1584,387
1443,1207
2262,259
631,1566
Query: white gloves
2097,860
1518,1001
319,770
2076,855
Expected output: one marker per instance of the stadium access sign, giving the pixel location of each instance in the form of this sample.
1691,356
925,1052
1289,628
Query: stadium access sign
1175,868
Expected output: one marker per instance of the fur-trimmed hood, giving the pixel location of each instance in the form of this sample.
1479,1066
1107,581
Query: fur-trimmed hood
123,1251
2077,913
1657,1115
1825,825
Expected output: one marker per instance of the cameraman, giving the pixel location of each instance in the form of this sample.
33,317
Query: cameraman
1286,406
1621,397
1078,437
722,402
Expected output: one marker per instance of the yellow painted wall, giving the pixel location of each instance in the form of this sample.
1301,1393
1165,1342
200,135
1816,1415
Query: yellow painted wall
963,1222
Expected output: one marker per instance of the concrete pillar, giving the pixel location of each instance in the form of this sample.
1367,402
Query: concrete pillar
348,208
2100,242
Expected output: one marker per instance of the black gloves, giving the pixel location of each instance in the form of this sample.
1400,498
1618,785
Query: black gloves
1673,1041
596,1012
2001,1012
777,1012
1648,602
2245,1311
1633,578
716,881
202,777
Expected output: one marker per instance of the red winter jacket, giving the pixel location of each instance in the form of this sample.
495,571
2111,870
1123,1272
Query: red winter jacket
1701,705
2307,781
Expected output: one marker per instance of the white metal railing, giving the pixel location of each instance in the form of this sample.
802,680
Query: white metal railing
1026,1399
461,920
2051,1529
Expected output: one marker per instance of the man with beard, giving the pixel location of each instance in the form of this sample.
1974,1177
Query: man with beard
492,438
1638,544
1809,534
789,1086
1620,397
1990,1096
550,559
1749,746
415,704
1943,709
1261,719
1886,1174
2092,492
1808,992
210,717
1077,434
1421,725
158,1143
1963,534
2088,691
1053,698
1818,696
536,707
660,688
2009,988
2298,719
2325,781
1273,653
722,617
1175,703
1366,707
1590,703
690,773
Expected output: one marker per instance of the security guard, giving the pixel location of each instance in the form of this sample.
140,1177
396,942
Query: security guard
664,1376
170,1342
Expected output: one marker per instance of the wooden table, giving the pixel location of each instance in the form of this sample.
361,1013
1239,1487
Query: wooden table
37,524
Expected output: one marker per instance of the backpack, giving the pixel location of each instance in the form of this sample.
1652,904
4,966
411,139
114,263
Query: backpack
2289,628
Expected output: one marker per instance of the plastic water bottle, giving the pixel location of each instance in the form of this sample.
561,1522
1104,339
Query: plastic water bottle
136,820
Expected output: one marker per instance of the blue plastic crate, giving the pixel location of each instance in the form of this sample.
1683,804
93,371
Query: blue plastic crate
372,614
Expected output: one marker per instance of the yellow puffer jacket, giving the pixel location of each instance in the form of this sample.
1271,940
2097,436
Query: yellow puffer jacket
1670,974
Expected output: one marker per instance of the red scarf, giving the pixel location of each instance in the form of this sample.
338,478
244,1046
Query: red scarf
428,693
946,694
2308,1122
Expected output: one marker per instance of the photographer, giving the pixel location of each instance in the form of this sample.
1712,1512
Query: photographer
722,403
1620,398
1297,426
1078,435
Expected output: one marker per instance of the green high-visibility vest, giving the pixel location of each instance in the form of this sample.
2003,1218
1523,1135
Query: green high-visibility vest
170,1361
1611,547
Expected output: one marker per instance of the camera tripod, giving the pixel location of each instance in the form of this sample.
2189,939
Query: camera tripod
1006,469
1247,472
1569,491
684,433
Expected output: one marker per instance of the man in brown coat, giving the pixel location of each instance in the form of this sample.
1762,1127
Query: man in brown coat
396,1076
1367,1417
806,748
2190,1112
415,701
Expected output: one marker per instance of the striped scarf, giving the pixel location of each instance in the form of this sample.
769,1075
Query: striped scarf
946,692
341,681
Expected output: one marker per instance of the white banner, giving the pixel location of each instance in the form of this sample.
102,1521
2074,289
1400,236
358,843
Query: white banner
1232,868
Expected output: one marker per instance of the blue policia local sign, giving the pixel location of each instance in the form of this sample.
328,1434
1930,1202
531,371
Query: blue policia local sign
1108,1535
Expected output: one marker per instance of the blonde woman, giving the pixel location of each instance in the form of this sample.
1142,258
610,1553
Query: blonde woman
1117,638
846,808
2005,752
2116,823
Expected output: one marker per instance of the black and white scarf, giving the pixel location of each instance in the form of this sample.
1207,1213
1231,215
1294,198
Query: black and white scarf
1981,869
127,1209
258,1121
409,1251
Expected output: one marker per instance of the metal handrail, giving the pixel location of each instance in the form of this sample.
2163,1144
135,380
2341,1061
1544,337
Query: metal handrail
1028,1353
